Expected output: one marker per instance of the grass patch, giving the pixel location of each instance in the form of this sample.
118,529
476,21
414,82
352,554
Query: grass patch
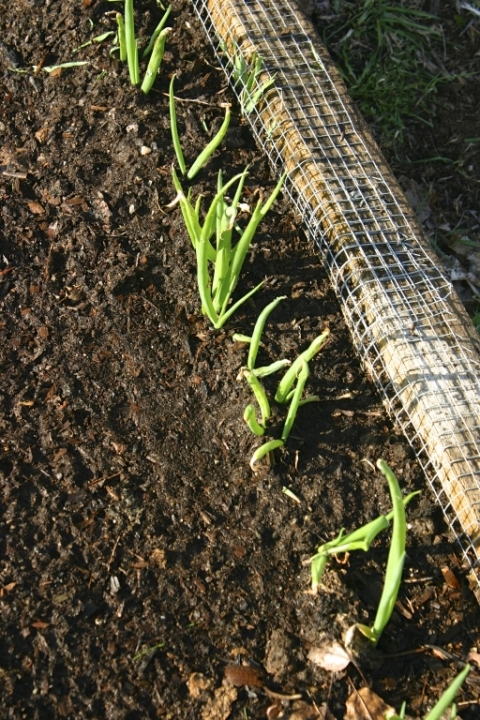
383,51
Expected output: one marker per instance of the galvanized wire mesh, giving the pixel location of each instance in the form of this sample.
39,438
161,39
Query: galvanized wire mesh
407,324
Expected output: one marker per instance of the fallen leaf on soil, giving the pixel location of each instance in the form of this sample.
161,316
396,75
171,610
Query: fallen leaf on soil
474,657
35,207
7,588
40,625
364,704
243,675
330,656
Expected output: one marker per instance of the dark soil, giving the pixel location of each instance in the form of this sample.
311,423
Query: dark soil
140,557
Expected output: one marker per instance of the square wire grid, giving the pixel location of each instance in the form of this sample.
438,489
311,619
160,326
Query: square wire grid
407,324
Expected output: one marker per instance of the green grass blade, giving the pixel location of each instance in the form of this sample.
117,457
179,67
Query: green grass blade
131,43
155,61
258,330
205,155
174,128
156,33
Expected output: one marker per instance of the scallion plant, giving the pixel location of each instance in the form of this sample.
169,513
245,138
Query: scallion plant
291,397
395,562
129,48
227,257
284,391
247,75
361,540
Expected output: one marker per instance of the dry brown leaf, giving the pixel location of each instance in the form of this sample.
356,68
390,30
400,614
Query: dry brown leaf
364,704
40,625
330,656
35,207
474,657
243,675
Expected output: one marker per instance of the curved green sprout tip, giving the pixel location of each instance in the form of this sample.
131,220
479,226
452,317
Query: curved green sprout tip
251,420
272,368
155,61
361,539
258,330
263,450
259,393
208,151
206,154
396,555
295,401
156,33
286,383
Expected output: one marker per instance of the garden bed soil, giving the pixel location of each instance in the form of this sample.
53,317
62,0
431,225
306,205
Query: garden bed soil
144,567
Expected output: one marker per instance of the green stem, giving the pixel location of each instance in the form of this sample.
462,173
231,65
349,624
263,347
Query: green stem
258,330
174,128
131,43
156,33
251,420
155,61
259,393
295,402
285,384
211,147
121,37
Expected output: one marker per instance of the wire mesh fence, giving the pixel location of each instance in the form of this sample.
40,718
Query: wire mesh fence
407,324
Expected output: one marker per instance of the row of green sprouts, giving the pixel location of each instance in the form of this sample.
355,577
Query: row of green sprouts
221,245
